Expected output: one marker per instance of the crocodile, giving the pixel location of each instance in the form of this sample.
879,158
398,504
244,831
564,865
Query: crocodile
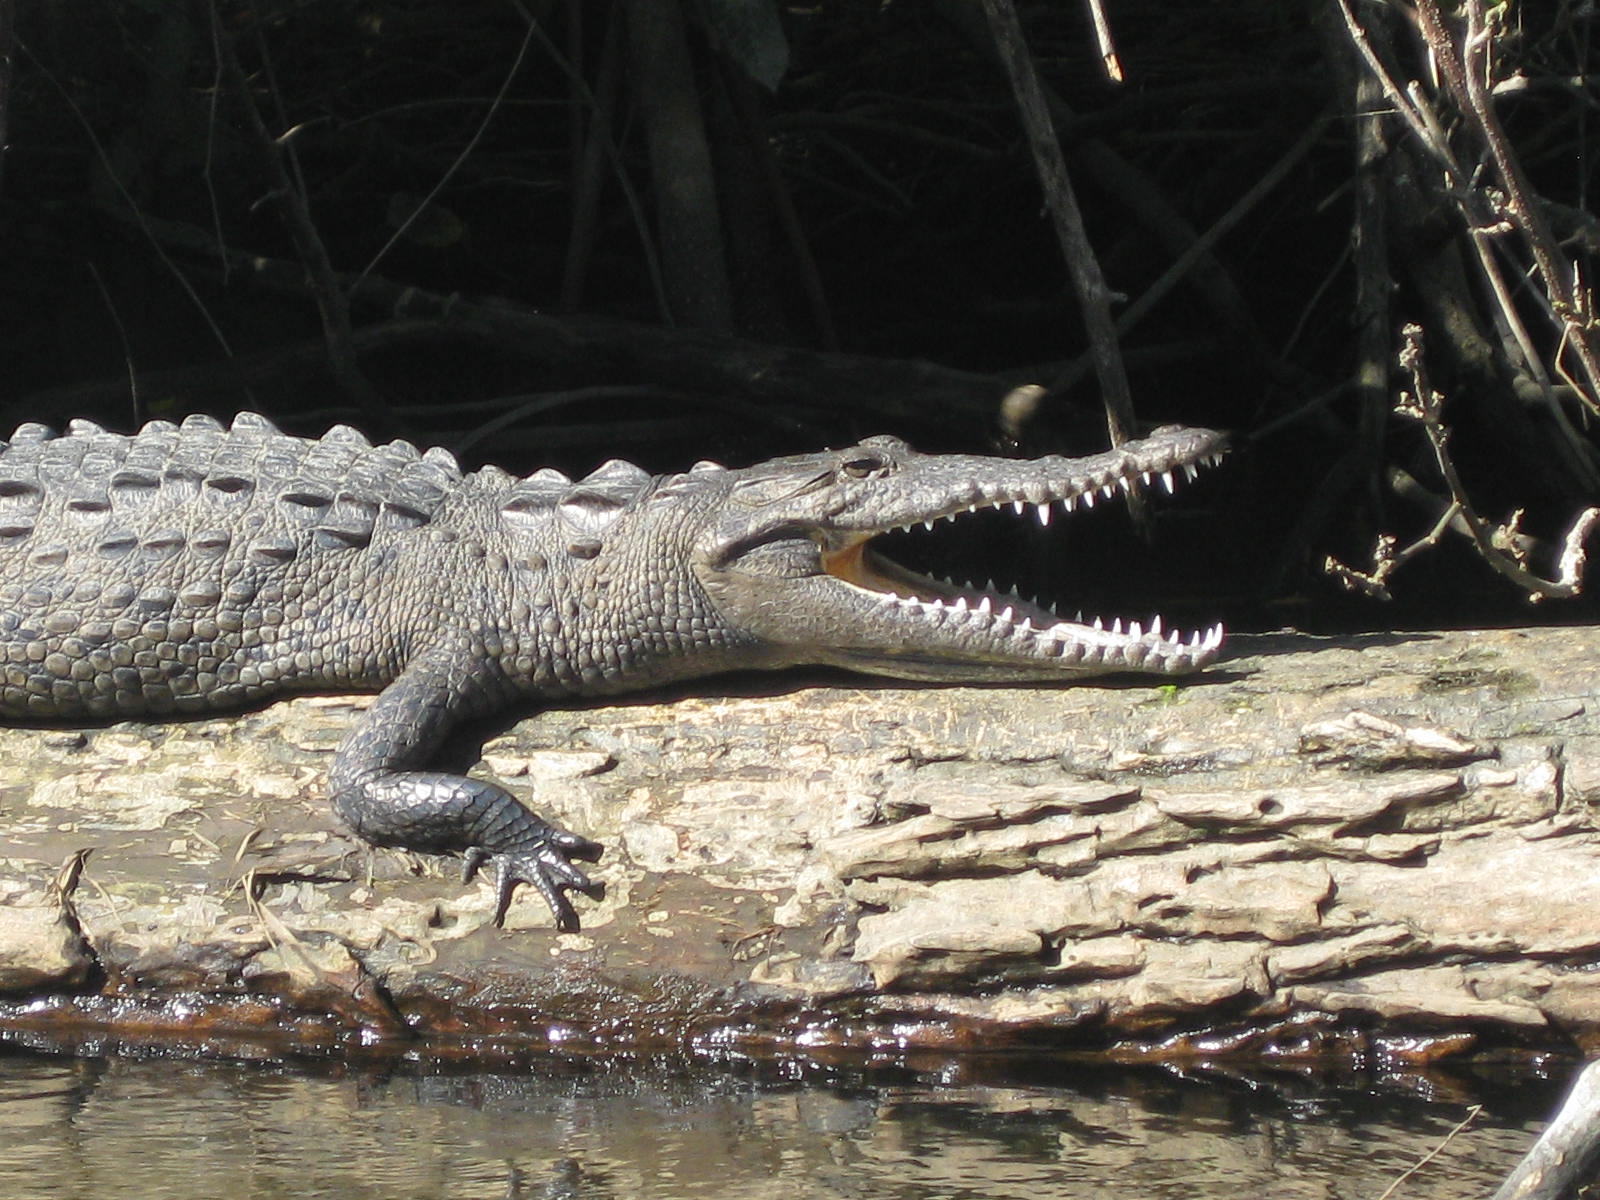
195,567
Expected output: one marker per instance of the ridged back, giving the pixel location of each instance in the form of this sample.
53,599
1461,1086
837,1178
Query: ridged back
199,490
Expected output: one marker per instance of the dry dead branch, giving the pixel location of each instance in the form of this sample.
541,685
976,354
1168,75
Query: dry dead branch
1502,546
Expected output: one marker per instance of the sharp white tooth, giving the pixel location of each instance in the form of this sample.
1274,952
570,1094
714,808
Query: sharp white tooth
1008,614
1175,637
1099,628
1135,630
928,525
984,605
1078,620
972,508
1088,499
1191,472
1017,506
1166,481
1042,511
1146,477
1116,626
1108,490
1194,640
1155,625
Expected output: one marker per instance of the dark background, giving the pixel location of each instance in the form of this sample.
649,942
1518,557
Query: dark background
887,263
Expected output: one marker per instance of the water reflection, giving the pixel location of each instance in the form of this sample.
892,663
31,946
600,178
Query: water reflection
156,1130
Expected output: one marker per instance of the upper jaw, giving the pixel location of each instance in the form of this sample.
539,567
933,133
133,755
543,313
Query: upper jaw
944,487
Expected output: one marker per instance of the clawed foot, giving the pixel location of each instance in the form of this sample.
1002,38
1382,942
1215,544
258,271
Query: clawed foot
545,865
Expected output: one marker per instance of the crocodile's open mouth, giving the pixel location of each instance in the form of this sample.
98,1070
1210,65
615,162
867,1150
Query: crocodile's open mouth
836,570
863,565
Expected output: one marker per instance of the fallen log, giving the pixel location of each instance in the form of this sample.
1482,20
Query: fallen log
1323,846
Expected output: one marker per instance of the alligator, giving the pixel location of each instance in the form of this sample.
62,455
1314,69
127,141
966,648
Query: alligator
193,567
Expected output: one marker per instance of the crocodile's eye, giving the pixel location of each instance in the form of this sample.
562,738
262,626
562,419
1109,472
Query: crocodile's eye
862,466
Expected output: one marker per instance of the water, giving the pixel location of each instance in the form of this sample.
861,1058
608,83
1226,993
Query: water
163,1130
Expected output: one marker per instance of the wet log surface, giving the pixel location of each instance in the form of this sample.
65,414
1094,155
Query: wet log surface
1382,844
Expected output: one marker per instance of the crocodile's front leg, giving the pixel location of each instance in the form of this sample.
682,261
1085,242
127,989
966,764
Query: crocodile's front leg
378,794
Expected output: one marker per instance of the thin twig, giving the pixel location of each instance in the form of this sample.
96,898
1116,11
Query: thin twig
1472,1115
1237,211
449,172
1374,285
213,99
1147,205
127,348
1199,250
8,24
332,305
1102,37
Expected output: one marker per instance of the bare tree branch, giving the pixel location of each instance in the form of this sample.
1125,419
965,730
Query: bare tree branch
1503,547
1567,1152
1464,68
1093,295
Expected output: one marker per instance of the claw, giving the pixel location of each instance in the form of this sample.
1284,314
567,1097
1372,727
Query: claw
544,866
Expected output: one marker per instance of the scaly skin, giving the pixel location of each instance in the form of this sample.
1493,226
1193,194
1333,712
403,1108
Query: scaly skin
196,567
